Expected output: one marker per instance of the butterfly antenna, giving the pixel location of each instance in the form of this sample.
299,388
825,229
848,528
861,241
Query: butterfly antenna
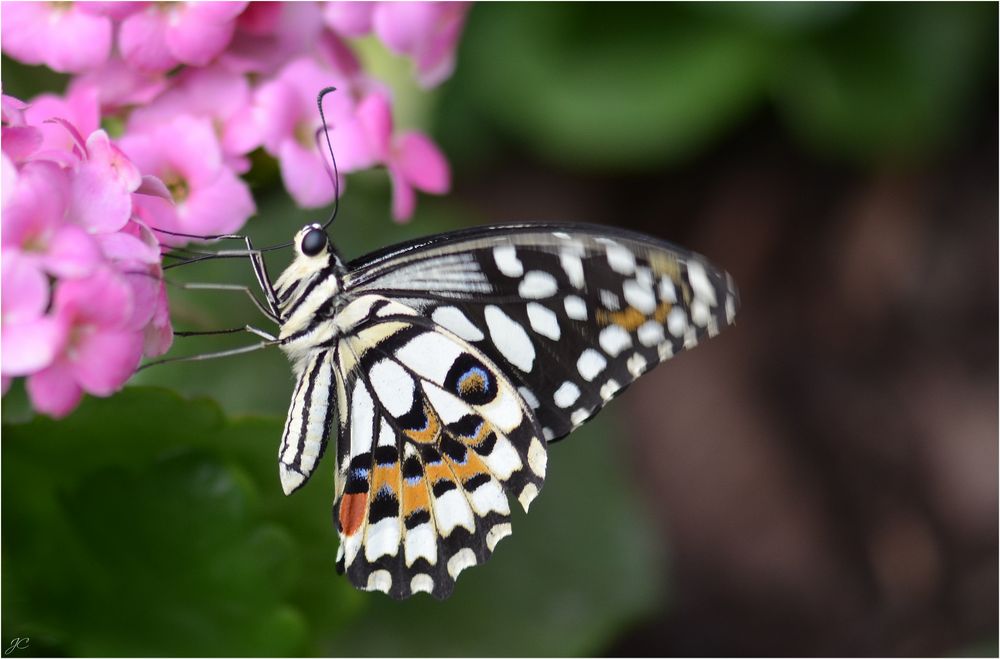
329,147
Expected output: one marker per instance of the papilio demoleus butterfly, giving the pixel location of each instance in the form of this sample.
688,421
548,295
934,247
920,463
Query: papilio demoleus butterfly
446,366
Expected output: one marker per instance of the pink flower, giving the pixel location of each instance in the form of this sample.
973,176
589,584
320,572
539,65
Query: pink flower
413,161
119,85
184,153
285,110
102,186
29,340
271,34
98,352
212,93
428,32
60,35
80,108
35,224
163,35
349,19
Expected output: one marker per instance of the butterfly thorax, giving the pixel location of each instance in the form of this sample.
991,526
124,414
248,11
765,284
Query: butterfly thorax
309,295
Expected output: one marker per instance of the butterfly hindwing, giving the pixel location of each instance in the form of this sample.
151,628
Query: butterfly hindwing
571,314
433,439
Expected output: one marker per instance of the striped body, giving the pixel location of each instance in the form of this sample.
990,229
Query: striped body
447,365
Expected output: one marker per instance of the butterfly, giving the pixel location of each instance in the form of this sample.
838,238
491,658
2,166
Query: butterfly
447,365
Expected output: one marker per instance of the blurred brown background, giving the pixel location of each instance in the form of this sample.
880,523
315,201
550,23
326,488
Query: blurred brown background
825,473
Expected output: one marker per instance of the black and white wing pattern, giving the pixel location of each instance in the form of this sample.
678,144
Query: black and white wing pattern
433,437
570,313
448,364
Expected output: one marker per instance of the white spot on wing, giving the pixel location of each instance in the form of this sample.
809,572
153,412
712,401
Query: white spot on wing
636,365
639,296
503,460
509,338
537,285
529,397
393,386
453,320
527,495
699,313
614,339
421,583
543,320
573,267
507,261
676,322
699,282
667,291
489,497
566,394
496,534
380,580
420,541
650,333
451,510
609,388
575,307
590,364
362,419
620,259
383,538
462,559
538,457
429,355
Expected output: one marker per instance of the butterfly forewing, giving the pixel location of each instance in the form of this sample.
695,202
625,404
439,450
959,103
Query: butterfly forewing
571,314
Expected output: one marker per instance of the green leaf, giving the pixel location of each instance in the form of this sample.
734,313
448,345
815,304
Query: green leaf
598,85
147,524
891,82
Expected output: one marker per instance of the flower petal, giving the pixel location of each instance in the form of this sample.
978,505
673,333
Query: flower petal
53,391
23,287
104,360
349,19
220,207
198,31
30,346
304,176
72,252
404,199
75,41
142,41
103,299
422,163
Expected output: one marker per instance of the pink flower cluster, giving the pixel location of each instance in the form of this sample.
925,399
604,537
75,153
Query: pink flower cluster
226,78
82,295
189,90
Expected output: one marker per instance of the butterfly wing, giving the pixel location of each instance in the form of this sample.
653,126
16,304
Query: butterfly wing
433,437
570,313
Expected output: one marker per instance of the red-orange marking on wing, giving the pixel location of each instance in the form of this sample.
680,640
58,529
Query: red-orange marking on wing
352,512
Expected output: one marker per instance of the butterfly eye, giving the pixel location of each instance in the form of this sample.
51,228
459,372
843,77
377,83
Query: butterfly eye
313,242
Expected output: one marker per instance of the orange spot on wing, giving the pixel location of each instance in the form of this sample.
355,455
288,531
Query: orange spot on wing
386,476
473,466
428,433
352,512
631,318
415,497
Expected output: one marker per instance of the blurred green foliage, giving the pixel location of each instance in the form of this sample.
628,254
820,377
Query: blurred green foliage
632,86
152,523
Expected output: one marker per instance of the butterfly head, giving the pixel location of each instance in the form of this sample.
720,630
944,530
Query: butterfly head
312,242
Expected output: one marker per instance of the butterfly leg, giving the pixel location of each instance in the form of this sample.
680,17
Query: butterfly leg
198,286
